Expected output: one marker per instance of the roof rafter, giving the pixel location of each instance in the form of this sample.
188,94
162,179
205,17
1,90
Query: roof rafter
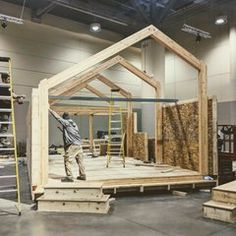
95,91
120,46
146,78
112,85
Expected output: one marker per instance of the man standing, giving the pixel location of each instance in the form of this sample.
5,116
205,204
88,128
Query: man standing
72,145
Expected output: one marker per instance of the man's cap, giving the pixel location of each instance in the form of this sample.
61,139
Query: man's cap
66,116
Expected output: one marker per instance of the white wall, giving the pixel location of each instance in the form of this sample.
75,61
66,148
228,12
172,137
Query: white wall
39,51
219,53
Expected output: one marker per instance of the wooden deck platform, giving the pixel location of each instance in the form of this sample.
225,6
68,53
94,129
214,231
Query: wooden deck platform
136,176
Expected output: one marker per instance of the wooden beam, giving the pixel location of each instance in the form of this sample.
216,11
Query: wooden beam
176,48
158,129
120,46
95,91
84,110
129,131
35,148
139,73
203,120
214,135
112,85
71,85
67,93
91,131
100,56
43,119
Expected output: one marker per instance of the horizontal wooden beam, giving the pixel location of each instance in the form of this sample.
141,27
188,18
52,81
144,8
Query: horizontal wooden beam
100,56
143,76
112,85
85,110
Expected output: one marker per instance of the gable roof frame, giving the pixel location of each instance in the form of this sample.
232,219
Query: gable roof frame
150,31
78,84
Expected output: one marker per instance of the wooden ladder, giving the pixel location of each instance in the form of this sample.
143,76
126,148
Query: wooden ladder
8,148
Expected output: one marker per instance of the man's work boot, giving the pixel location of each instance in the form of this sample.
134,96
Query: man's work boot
82,177
67,179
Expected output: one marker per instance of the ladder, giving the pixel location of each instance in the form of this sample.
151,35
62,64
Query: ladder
8,149
116,136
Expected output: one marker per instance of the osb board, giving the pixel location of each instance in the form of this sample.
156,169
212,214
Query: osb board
140,146
180,135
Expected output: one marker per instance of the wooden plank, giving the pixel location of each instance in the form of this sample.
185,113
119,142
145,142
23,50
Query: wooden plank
214,135
91,131
100,56
203,120
75,89
43,116
129,131
74,205
143,76
70,86
179,193
219,211
158,129
112,85
35,165
84,110
176,48
95,91
224,196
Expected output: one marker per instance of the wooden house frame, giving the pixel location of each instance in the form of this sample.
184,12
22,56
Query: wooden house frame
87,70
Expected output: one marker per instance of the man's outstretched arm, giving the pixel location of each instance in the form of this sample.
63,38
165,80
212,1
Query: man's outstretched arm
58,118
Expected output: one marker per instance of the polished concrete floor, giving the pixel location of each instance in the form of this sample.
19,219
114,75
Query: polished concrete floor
129,215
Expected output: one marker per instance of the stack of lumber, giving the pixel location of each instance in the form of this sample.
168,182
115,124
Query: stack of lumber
74,197
223,204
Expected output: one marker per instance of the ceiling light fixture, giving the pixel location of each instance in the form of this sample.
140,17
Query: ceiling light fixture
95,27
195,31
221,20
11,19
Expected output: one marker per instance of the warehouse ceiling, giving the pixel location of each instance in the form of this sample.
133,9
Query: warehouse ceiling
124,16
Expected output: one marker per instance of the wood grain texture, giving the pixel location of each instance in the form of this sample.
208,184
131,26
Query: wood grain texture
181,135
140,146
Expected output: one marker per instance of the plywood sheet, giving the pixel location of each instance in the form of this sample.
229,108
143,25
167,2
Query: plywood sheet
180,135
140,146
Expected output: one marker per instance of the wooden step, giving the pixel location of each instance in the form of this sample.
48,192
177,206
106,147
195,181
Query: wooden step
220,211
83,205
74,190
225,193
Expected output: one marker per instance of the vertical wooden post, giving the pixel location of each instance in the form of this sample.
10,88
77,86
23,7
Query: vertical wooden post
129,131
43,116
35,158
203,120
214,135
158,128
91,131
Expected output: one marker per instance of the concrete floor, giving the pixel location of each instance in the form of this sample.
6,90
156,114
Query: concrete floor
139,216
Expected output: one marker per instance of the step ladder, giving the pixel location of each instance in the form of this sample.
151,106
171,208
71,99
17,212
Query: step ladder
116,136
8,150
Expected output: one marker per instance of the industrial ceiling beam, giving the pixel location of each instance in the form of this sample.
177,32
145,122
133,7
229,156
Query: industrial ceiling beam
140,10
166,10
42,11
88,10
